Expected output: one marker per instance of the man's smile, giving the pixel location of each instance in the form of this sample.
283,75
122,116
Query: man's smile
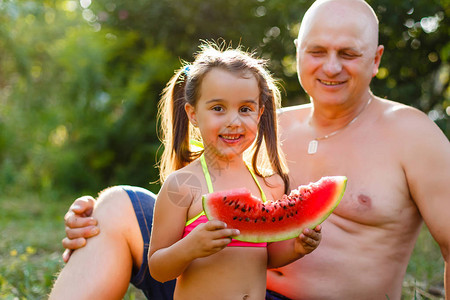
330,83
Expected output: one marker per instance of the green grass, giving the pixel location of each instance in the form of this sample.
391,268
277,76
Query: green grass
31,229
425,273
29,246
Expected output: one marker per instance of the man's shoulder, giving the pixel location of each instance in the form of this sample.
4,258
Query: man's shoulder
406,121
398,112
291,115
294,109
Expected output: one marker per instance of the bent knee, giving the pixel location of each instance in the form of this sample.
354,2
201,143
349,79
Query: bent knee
113,193
113,205
117,220
114,198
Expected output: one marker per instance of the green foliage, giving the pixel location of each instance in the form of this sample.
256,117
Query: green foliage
78,105
415,64
79,86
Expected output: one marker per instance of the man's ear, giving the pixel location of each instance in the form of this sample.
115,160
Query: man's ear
190,112
377,60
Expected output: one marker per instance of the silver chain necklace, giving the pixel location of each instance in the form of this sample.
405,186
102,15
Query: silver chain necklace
314,143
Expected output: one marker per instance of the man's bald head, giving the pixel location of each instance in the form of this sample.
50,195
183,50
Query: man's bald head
357,12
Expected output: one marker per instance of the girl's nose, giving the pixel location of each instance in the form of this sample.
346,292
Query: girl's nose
234,120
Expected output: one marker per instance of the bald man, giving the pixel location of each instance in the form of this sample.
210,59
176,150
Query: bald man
397,162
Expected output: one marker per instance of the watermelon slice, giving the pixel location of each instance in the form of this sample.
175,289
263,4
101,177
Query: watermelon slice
271,221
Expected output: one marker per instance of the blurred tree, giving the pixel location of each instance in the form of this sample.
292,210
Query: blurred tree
80,80
416,64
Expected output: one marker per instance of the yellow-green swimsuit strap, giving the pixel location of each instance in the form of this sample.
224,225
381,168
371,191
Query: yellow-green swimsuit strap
263,196
210,186
208,183
206,173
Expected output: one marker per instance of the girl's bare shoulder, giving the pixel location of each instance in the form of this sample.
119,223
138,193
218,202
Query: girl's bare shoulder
185,181
275,184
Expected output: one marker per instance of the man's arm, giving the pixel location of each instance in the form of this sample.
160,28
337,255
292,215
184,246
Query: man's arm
426,161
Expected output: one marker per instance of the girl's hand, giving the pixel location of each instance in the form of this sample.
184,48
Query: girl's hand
210,237
309,240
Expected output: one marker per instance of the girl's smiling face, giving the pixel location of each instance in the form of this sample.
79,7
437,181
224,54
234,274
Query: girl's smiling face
227,112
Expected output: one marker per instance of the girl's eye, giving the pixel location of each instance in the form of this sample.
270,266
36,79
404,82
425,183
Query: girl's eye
246,109
217,108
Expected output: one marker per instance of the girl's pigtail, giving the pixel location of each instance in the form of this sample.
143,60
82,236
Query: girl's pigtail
174,132
267,132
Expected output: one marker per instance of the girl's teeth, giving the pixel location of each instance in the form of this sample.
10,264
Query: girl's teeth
230,137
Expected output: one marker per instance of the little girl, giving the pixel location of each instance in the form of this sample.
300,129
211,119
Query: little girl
227,100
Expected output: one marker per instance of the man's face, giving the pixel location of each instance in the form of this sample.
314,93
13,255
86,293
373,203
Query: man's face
337,56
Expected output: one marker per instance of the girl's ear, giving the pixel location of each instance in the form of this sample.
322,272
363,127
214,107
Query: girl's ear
261,110
190,111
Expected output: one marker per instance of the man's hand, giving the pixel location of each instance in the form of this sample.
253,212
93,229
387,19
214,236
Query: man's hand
79,225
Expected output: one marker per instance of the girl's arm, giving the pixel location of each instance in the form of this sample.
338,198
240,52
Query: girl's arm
282,253
169,254
285,252
166,258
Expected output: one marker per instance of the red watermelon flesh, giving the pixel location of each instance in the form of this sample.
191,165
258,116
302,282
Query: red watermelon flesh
271,221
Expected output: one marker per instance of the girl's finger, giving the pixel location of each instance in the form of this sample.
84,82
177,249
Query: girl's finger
225,233
215,225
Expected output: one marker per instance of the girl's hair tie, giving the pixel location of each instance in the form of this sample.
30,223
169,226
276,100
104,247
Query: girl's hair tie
186,70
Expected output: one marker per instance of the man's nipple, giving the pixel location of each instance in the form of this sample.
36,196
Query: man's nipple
365,202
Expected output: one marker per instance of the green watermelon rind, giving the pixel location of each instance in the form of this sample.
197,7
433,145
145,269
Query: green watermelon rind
341,182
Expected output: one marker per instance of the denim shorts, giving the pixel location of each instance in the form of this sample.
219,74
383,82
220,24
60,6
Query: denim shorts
143,202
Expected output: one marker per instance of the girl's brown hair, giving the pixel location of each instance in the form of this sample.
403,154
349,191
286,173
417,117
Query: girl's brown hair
184,87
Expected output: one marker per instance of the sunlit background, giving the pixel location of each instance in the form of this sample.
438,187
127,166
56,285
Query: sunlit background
80,82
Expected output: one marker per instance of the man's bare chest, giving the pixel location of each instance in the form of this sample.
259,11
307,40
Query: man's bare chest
377,191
